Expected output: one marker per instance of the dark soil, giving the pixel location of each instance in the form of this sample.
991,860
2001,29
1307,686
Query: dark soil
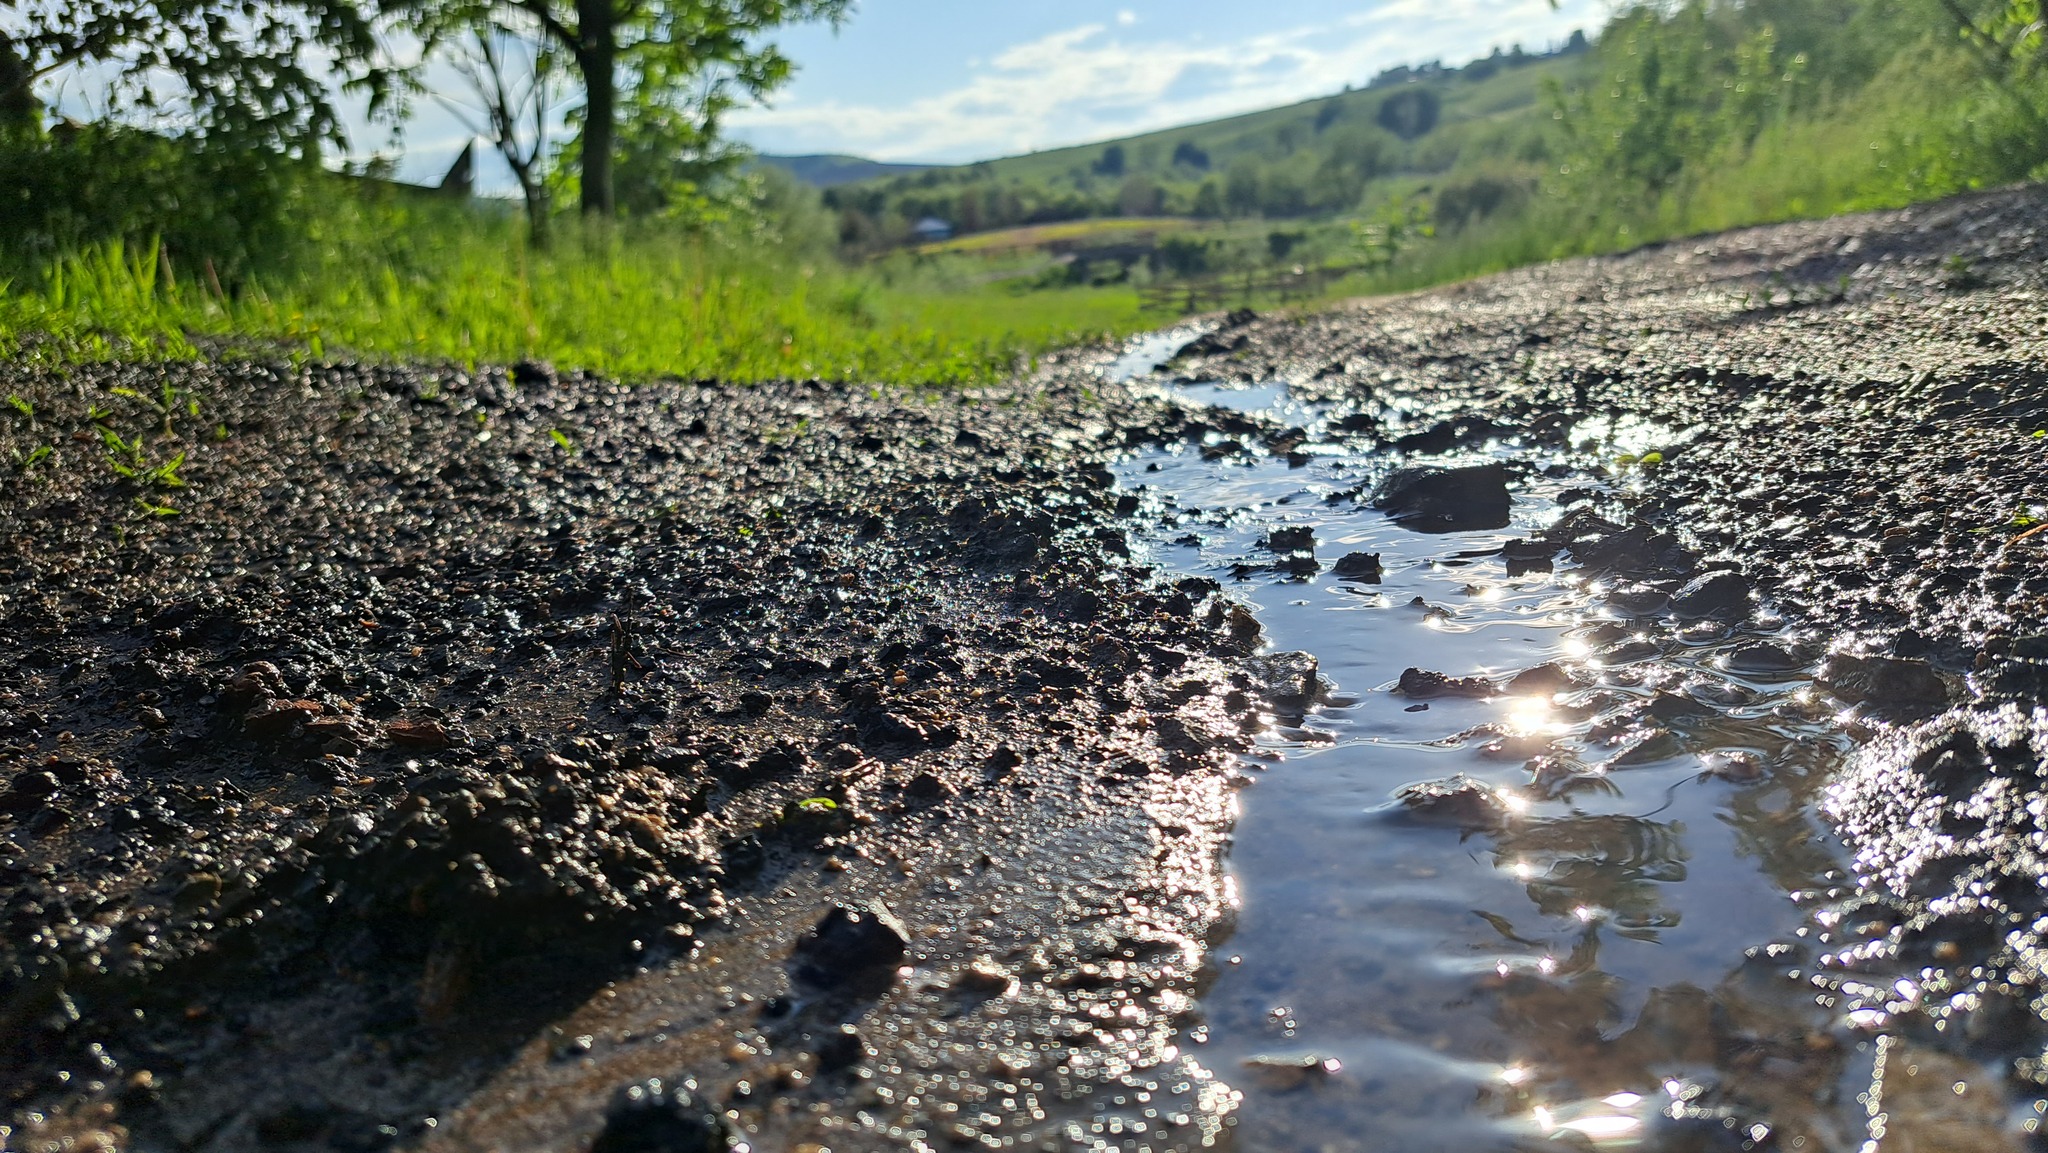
418,728
499,760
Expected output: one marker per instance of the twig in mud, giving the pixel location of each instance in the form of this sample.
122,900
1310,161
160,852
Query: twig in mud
622,656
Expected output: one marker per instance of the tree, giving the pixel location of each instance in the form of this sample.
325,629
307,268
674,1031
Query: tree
2011,43
514,79
656,76
258,76
1112,162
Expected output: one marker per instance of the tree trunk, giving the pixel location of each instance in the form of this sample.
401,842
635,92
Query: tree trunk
18,108
597,59
536,195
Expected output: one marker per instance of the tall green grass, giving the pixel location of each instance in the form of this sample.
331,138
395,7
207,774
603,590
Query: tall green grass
433,281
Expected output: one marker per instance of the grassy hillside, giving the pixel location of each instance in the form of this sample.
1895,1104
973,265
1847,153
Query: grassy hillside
832,170
1313,159
1679,117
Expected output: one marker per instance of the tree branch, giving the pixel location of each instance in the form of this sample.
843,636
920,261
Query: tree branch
539,10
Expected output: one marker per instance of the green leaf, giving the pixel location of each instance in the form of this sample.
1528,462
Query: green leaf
561,438
818,805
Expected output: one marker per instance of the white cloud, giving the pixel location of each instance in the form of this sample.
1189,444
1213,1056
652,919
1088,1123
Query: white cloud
1126,18
1094,82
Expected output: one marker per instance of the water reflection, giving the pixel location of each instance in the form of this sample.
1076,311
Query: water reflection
1560,956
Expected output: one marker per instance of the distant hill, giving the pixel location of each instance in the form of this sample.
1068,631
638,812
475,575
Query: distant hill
831,171
1473,138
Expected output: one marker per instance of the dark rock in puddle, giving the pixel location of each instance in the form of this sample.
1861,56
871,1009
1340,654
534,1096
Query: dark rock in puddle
1292,1071
1458,801
1290,681
1735,765
1360,566
1891,688
1529,556
1635,549
1544,680
1639,600
1294,539
657,1117
1723,595
1213,344
1446,498
1423,684
1299,566
1764,657
852,943
1296,548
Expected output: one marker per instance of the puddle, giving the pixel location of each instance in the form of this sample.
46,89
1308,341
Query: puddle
1582,956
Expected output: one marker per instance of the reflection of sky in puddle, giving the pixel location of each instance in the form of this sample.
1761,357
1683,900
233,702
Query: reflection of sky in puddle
1568,946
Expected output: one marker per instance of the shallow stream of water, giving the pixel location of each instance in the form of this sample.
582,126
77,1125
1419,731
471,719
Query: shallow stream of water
1594,968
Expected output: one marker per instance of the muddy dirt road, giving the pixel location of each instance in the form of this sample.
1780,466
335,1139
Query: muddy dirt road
408,758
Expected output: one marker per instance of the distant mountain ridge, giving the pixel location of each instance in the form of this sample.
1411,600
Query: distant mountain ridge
830,170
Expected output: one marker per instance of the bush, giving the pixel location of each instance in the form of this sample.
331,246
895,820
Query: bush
76,188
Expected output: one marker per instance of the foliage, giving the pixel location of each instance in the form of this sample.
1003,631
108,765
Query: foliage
260,75
1670,90
85,186
657,78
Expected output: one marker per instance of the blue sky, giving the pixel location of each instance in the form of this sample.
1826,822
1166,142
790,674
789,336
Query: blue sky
941,80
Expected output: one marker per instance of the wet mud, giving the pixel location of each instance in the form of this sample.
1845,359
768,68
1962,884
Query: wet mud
507,759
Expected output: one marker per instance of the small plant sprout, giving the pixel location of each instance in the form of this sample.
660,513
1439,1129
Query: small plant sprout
126,458
818,805
150,508
98,413
26,462
562,440
23,407
168,402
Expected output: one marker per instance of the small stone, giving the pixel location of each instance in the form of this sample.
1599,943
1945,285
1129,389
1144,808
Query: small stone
274,718
1722,595
1293,1071
1437,498
851,941
1289,681
417,734
1891,688
1546,680
1459,801
985,977
1360,566
1298,539
656,1117
1422,684
841,1048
